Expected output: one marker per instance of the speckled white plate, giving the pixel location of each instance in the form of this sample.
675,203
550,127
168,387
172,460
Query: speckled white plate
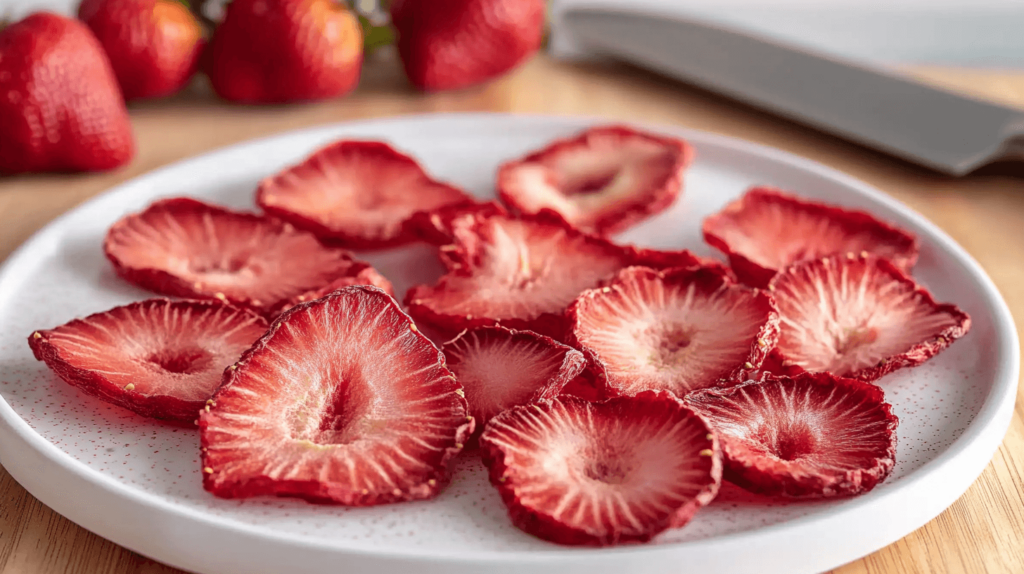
137,482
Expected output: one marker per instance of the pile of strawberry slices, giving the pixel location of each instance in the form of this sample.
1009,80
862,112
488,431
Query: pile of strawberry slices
608,388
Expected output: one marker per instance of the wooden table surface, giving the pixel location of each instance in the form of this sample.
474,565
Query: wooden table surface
981,532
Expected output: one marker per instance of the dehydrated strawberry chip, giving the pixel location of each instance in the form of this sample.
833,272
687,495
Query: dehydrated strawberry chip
581,473
812,435
501,368
859,316
342,401
358,193
675,330
187,248
523,272
159,358
359,273
603,180
767,230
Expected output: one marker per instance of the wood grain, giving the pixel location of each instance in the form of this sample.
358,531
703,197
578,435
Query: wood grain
983,532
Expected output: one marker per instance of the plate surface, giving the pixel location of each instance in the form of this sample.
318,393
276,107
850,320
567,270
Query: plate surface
138,483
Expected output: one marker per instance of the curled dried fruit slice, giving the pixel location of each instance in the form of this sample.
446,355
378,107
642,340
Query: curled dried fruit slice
359,193
675,330
859,317
358,274
603,180
188,248
523,272
500,368
575,472
162,359
766,230
342,401
813,435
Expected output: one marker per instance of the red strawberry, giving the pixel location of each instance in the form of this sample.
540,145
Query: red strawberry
285,51
675,330
60,108
159,358
603,180
767,230
342,401
500,368
859,317
187,248
358,274
451,44
153,45
359,193
522,273
436,227
809,436
596,474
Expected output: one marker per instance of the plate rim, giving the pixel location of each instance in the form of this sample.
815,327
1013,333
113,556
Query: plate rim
993,416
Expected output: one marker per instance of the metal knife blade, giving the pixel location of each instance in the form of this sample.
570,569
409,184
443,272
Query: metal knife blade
927,126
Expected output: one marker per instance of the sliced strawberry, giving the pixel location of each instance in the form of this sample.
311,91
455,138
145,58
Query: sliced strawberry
500,368
596,474
187,248
859,316
342,401
767,230
358,193
437,227
523,273
603,180
675,330
360,273
162,359
813,435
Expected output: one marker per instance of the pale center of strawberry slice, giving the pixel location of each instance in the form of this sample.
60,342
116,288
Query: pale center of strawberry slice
789,441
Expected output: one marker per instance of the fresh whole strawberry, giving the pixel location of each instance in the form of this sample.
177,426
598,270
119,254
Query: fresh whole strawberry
60,107
153,45
275,51
451,44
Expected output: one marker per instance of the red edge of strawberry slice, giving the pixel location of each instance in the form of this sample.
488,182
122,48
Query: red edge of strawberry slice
655,196
259,438
861,231
501,368
462,259
891,281
281,195
552,461
613,344
830,420
120,354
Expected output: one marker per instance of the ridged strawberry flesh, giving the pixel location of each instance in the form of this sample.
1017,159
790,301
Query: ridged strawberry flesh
356,193
812,435
360,274
187,248
159,358
675,330
596,474
501,368
342,401
767,230
859,316
603,180
523,272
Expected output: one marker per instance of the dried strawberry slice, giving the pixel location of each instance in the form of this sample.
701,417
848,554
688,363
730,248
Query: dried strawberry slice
859,316
360,273
359,193
159,358
342,401
188,248
812,435
603,180
596,474
523,272
767,230
501,368
675,330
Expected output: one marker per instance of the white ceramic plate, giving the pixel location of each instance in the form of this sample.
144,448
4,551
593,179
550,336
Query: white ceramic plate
137,482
